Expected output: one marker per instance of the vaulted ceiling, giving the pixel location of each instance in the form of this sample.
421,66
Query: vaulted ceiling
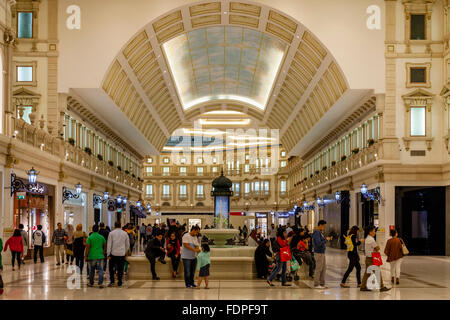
224,56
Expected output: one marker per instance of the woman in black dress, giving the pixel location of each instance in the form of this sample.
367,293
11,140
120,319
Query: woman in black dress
261,254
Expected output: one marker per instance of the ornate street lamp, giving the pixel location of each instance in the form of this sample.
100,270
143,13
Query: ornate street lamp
19,185
119,199
138,203
125,200
32,176
337,196
374,195
364,189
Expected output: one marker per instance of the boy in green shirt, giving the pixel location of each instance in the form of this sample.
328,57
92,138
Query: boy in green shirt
95,255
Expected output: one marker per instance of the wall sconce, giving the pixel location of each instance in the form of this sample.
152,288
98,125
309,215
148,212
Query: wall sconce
367,195
67,194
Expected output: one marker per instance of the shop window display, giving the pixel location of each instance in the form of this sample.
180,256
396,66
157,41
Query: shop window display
75,211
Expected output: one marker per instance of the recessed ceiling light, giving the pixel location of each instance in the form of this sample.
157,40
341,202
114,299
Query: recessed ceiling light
224,122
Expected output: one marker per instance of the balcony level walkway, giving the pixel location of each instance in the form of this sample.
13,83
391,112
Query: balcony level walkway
423,278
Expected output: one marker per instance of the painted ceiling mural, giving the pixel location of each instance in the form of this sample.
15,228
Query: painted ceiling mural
224,63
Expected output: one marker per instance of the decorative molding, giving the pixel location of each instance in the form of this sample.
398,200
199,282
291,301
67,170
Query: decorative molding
427,83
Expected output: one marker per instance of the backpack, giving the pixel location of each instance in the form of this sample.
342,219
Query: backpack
349,243
39,238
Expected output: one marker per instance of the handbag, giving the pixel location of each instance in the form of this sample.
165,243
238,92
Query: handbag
294,264
376,259
404,248
285,254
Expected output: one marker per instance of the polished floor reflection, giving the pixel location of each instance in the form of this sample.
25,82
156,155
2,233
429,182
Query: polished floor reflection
424,278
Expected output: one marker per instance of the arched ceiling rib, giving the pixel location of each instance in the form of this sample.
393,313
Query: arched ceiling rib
307,86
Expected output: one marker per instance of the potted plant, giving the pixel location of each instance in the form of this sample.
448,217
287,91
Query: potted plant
133,175
88,150
370,142
127,172
111,163
119,168
355,151
71,141
310,175
333,163
305,179
317,172
100,157
324,168
343,158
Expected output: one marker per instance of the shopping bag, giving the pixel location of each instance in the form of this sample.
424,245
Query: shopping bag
294,265
404,248
285,254
376,259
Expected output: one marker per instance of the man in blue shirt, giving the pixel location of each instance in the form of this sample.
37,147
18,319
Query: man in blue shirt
319,245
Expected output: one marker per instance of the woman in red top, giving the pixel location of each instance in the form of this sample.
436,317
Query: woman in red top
173,251
15,244
283,241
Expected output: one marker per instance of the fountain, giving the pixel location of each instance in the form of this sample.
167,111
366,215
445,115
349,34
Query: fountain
221,232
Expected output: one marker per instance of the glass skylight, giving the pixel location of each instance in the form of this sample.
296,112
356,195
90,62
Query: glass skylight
224,63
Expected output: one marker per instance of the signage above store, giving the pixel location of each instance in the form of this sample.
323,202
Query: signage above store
21,195
261,215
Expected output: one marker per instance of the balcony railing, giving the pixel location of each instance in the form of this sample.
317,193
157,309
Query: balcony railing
39,138
182,197
166,197
353,162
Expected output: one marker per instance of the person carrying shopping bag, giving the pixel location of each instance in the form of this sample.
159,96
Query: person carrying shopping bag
283,254
371,250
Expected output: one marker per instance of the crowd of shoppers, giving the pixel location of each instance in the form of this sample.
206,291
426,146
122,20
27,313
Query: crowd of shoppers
310,249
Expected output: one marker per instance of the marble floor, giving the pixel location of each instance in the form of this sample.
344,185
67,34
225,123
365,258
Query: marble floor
423,278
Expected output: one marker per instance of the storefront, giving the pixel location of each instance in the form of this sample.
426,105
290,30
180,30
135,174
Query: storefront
283,218
368,210
261,222
135,215
337,215
32,207
201,219
75,211
420,218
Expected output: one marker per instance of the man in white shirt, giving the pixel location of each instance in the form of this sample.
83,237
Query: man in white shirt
117,248
189,250
38,244
272,233
370,246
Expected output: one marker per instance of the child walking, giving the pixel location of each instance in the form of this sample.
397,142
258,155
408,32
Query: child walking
203,264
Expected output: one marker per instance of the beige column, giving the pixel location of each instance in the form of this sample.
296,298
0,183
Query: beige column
8,74
388,133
